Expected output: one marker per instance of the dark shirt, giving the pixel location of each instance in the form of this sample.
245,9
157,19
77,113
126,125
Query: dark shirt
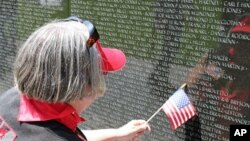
49,130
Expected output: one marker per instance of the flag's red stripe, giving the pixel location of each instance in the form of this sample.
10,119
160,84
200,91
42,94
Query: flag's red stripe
187,110
177,114
181,118
172,113
184,114
169,115
193,110
190,110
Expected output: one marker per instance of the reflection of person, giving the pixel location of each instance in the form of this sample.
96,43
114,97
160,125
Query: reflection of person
228,65
223,75
59,73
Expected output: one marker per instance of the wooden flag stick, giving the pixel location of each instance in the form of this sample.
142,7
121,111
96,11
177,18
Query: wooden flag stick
182,86
155,113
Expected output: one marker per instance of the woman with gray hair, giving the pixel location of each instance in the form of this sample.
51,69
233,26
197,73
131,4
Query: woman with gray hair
59,72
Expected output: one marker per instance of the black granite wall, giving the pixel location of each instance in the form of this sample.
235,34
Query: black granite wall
204,43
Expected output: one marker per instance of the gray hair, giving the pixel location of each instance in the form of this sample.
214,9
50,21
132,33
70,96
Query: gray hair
55,65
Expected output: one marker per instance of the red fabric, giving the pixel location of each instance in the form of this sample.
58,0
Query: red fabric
112,59
239,28
243,26
35,110
3,131
6,129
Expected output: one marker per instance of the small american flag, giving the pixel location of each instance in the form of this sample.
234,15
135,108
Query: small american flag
178,109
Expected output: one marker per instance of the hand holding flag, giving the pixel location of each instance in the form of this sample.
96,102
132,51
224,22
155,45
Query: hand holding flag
178,108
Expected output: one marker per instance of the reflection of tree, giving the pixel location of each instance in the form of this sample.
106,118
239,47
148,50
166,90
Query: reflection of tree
17,20
7,41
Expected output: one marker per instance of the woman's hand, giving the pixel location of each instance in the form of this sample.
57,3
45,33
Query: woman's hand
133,130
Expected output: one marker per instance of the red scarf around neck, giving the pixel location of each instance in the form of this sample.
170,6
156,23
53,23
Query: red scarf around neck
35,110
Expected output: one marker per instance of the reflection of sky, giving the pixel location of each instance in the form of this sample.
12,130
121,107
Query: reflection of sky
51,2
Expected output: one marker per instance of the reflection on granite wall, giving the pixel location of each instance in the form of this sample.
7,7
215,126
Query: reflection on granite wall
204,43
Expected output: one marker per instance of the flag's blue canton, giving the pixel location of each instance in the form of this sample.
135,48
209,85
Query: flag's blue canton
180,99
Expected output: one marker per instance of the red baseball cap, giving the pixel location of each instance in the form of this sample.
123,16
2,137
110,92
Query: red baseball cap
112,59
243,26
